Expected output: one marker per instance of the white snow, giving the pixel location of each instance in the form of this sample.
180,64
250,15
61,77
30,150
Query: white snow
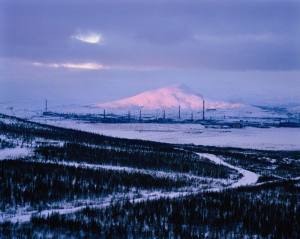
197,180
248,176
13,153
247,179
255,138
166,98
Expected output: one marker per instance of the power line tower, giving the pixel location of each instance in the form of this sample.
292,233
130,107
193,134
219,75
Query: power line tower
164,114
179,112
203,110
192,116
46,105
104,114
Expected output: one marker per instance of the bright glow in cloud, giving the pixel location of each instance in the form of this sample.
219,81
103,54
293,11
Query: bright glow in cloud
89,37
79,66
94,66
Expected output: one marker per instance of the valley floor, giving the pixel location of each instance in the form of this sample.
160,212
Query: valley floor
249,137
58,181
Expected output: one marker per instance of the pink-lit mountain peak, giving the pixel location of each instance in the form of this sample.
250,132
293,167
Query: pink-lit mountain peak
165,98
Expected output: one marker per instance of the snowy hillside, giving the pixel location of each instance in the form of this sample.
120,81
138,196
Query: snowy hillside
167,98
160,102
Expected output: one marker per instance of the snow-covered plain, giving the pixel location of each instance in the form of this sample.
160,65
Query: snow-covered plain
255,138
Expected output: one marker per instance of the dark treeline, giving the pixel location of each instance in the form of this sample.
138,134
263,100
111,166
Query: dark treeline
270,211
287,163
289,168
20,127
35,183
177,160
231,151
137,153
30,130
5,144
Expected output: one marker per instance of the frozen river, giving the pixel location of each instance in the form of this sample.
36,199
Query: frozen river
258,138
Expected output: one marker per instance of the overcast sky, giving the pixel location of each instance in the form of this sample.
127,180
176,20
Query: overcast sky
94,51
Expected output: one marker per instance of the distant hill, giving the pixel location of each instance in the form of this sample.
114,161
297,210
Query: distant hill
167,98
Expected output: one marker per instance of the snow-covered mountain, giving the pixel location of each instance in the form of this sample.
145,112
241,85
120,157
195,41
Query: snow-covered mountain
167,98
163,101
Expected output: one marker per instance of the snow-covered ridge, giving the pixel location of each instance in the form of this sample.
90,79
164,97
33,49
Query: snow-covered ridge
216,186
166,98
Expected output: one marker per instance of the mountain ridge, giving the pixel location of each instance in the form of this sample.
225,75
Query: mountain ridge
167,98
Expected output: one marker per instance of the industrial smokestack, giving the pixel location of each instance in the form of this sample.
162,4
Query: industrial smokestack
46,105
203,110
140,118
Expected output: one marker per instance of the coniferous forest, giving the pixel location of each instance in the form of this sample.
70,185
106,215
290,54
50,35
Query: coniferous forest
66,183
